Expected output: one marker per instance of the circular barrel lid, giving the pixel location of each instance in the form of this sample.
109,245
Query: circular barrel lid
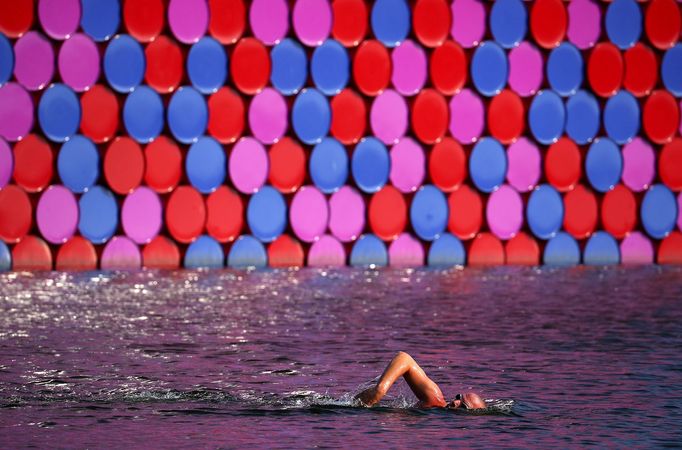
584,23
580,212
143,114
636,249
369,251
33,61
120,253
488,164
387,213
523,165
390,21
205,252
123,165
98,215
141,215
468,22
312,20
225,115
466,212
16,17
59,18
59,113
205,164
144,19
207,65
508,19
31,253
545,211
565,69
429,212
268,116
619,211
621,117
188,19
78,164
409,68
603,164
605,69
446,250
164,68
124,62
447,165
583,117
522,250
563,165
389,117
661,116
185,214
350,21
431,21
285,251
349,117
57,214
226,20
6,163
370,165
16,112
187,115
7,58
329,165
448,68
489,68
670,165
79,62
406,251
525,69
466,116
638,165
16,213
163,165
486,250
670,70
161,253
548,22
346,214
658,211
76,254
224,214
311,116
248,165
250,67
561,250
371,68
287,165
309,214
547,117
601,249
670,250
33,162
100,20
289,67
662,23
407,165
247,252
430,116
504,212
267,214
506,117
623,23
326,252
641,70
99,114
269,20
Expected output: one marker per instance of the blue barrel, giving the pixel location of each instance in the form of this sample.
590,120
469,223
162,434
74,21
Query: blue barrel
582,117
561,250
565,69
621,117
143,114
508,22
100,19
187,115
623,23
207,65
671,70
489,68
78,164
97,215
267,214
59,112
488,164
429,212
391,21
329,165
289,67
311,116
603,164
659,211
205,165
547,117
446,250
369,251
205,252
5,257
545,211
124,63
370,165
247,251
601,250
330,67
6,59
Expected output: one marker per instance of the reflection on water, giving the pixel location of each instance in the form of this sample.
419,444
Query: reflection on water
572,356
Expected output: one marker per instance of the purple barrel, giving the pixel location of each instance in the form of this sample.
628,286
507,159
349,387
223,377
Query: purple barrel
346,214
584,23
248,165
120,253
639,165
389,116
309,214
188,19
33,61
326,252
268,116
466,116
524,165
6,163
59,18
406,251
468,22
636,248
16,112
141,215
408,165
79,62
57,214
525,69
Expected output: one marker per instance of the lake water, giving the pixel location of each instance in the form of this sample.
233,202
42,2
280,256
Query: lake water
221,359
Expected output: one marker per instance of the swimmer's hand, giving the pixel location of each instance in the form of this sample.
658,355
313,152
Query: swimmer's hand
370,396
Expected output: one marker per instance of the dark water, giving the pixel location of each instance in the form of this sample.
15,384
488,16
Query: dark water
219,359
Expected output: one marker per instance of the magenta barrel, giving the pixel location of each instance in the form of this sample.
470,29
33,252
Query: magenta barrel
406,251
79,62
346,214
408,165
327,251
141,215
309,214
248,165
57,214
33,61
120,253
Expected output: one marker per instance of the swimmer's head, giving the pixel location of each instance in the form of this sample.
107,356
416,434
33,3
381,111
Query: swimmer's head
467,401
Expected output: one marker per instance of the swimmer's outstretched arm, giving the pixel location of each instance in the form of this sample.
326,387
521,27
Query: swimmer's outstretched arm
404,365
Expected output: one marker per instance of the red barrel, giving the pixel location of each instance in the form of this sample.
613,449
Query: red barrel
619,211
76,254
605,69
163,165
548,22
250,66
224,214
16,17
580,212
124,165
227,20
448,68
522,250
350,21
287,165
372,68
225,115
33,163
99,114
16,213
349,117
144,19
661,116
641,70
431,20
387,213
164,65
31,253
486,250
285,251
563,164
447,165
670,165
161,253
506,116
466,212
185,214
670,250
430,116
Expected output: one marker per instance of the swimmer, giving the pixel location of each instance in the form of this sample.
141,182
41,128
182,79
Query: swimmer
426,390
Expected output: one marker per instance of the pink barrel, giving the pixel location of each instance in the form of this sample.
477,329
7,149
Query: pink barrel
346,214
59,18
16,112
79,62
525,69
6,163
33,61
524,165
57,214
406,251
326,252
467,116
584,23
468,22
679,211
409,67
312,21
248,165
389,116
142,215
120,253
636,248
408,165
268,116
188,19
309,214
504,212
269,20
639,165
